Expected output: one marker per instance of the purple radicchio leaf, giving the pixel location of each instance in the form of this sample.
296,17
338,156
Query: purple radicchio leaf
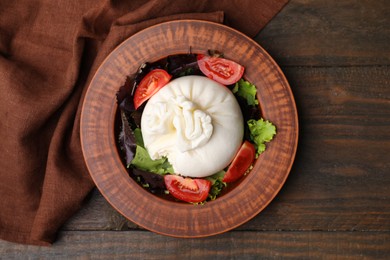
127,139
182,65
155,182
124,96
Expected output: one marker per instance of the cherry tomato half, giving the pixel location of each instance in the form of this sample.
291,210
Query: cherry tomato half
241,162
221,70
149,85
187,189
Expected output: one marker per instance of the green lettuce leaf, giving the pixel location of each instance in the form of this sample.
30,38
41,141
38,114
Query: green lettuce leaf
138,137
247,91
217,184
143,162
261,132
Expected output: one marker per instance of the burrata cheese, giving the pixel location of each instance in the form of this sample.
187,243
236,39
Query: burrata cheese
196,123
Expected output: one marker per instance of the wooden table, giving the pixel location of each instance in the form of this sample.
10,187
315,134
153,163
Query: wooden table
336,201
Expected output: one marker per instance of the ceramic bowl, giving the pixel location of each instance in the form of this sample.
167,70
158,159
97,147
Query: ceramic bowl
241,203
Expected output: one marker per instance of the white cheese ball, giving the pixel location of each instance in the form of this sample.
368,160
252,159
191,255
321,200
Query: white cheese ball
196,123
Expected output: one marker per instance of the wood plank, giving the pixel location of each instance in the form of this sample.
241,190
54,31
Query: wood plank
242,245
98,214
340,179
329,33
352,95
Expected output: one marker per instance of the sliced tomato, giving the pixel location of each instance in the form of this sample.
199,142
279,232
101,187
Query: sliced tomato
149,85
187,189
221,70
241,162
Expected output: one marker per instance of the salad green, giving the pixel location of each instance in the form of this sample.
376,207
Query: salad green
143,161
151,173
247,91
261,131
217,184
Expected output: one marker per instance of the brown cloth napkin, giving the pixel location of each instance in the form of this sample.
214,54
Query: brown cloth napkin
49,50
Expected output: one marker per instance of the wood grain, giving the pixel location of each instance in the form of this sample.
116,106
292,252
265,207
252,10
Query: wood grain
232,245
98,214
335,203
329,33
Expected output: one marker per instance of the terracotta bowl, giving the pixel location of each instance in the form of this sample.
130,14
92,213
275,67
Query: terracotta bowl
239,204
